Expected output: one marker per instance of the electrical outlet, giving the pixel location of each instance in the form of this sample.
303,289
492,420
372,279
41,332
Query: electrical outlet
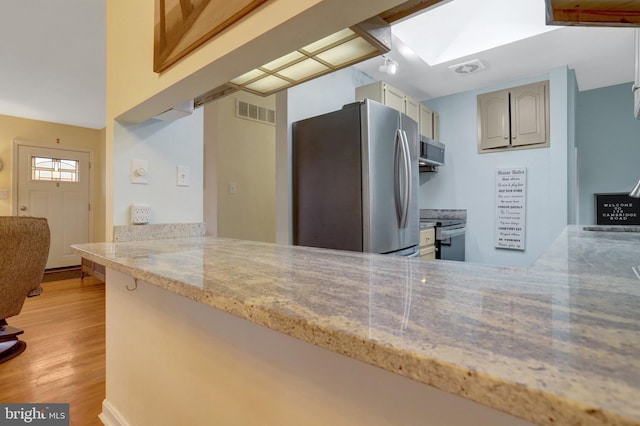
4,194
233,188
140,214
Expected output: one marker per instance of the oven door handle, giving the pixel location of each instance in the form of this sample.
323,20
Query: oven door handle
450,233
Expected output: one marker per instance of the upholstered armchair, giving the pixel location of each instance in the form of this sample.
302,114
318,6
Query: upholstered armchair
24,248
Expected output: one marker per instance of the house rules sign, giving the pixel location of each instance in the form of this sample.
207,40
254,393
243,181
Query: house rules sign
511,197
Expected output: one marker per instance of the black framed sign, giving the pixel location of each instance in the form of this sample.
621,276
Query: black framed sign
617,209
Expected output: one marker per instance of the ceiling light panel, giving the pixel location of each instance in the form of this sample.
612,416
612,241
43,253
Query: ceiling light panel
284,60
251,75
343,48
338,37
267,84
347,52
304,69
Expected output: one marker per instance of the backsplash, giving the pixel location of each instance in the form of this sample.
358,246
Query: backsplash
157,231
443,214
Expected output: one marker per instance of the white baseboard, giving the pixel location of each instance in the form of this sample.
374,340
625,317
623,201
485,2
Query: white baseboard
110,416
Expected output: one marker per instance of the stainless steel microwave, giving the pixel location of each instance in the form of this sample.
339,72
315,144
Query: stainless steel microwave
431,152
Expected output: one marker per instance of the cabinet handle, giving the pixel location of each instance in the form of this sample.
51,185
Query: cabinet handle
506,137
514,137
634,88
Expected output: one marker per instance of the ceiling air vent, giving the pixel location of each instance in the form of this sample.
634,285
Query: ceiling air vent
255,113
467,67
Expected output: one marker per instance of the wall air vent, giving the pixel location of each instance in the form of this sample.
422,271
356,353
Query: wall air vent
255,113
467,67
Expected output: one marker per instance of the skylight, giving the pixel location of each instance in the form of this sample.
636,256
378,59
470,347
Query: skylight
461,28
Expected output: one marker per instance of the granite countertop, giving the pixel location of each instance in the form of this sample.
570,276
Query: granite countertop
613,228
555,343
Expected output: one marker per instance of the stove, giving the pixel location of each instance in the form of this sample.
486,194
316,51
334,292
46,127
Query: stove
444,222
450,237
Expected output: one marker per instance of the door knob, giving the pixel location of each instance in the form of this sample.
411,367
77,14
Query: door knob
23,208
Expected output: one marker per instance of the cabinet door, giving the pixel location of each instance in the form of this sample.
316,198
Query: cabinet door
436,126
493,120
428,253
394,98
528,114
427,237
373,91
426,122
412,109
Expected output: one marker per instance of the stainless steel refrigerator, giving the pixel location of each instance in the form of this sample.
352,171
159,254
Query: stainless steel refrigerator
355,180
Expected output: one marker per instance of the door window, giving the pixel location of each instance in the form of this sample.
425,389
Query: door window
54,169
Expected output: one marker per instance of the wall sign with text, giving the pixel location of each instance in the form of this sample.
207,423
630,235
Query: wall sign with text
617,209
511,197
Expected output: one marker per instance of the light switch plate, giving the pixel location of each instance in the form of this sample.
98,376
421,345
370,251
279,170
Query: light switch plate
139,171
182,178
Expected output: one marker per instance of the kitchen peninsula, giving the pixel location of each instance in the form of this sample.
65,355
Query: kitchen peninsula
239,332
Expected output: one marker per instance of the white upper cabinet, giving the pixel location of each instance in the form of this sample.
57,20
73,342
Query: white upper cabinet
412,109
426,122
528,115
514,118
436,126
429,123
393,97
383,93
390,96
493,119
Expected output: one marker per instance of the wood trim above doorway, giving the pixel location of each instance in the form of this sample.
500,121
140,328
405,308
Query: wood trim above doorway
609,13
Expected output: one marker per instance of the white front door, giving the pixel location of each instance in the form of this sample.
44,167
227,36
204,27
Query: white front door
54,183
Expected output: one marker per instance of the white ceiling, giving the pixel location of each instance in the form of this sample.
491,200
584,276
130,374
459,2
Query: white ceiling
600,56
53,60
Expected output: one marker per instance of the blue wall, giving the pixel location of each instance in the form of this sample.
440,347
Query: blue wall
572,169
165,145
467,181
608,141
325,94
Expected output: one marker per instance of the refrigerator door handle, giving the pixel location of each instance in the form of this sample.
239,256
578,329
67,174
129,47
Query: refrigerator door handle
407,178
399,146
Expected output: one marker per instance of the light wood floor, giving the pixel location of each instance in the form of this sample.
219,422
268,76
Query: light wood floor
65,356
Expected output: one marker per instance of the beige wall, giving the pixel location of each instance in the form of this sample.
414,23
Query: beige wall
135,92
245,155
99,190
45,133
